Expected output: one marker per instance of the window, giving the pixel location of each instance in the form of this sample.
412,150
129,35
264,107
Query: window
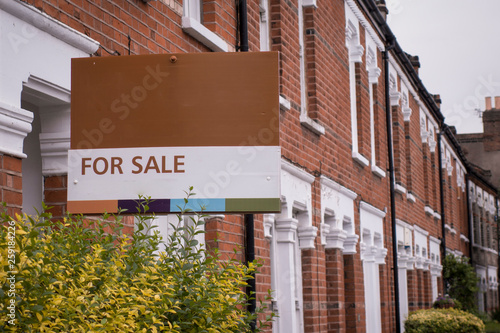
192,24
373,76
355,56
305,120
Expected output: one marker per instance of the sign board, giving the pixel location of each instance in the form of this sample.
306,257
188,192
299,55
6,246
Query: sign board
154,125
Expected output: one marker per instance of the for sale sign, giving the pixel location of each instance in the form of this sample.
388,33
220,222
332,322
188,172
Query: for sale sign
155,125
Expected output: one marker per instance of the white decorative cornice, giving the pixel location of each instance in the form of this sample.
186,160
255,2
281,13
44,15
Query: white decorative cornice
434,240
364,22
437,216
307,235
324,230
429,211
449,168
350,244
421,230
432,145
380,256
356,53
336,239
286,230
373,74
339,188
44,22
403,224
370,209
299,173
395,97
15,124
406,113
268,225
54,151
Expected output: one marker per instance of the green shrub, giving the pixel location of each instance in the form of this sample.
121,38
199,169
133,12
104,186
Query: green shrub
443,321
78,275
461,281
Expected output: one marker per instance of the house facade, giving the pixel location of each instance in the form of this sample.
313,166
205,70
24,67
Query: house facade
374,188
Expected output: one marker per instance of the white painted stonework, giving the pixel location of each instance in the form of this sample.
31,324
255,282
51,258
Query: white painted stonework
337,212
33,45
373,254
288,232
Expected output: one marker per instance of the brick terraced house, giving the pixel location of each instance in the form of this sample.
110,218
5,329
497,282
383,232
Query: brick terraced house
375,188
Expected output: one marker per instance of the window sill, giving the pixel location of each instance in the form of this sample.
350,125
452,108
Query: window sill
360,159
399,189
284,104
378,172
311,124
196,30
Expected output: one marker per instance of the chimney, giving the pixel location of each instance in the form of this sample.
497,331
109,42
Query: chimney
497,103
415,62
437,99
487,102
382,9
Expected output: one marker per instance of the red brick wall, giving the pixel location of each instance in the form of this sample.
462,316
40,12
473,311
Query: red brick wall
333,285
11,183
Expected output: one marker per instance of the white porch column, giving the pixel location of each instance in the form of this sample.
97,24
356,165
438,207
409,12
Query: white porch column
287,266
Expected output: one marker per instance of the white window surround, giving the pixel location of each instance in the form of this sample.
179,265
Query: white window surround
264,25
356,51
305,120
296,202
337,212
373,76
191,24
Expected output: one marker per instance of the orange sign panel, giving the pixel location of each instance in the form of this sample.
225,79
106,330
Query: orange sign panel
202,99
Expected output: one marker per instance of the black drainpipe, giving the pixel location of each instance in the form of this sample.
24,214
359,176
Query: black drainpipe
249,218
441,196
390,152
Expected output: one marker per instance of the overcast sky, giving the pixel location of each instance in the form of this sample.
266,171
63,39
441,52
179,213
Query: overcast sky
458,43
